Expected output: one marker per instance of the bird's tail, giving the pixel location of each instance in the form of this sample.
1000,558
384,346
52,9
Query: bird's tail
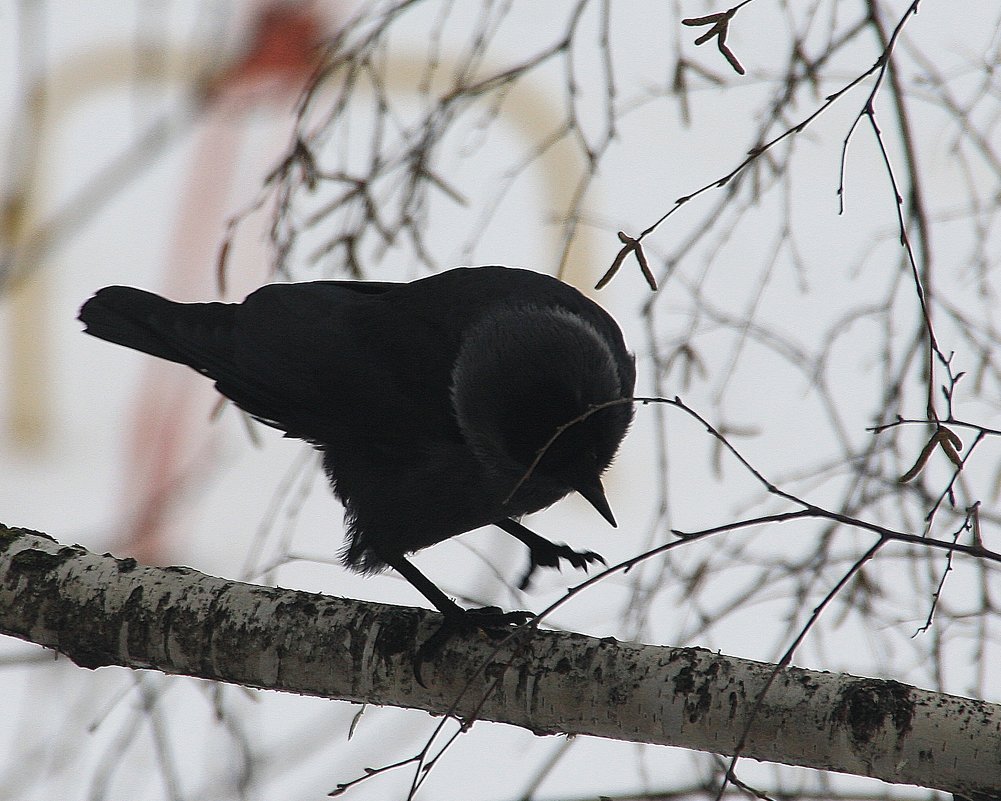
194,334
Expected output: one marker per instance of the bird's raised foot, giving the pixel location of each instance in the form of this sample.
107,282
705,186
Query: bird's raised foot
549,554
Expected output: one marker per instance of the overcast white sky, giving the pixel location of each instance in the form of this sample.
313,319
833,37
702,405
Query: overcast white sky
162,230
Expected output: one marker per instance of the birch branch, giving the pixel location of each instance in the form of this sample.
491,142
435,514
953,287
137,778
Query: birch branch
98,610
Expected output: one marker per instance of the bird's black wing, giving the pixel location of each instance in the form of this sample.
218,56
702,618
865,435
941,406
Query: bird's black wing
301,357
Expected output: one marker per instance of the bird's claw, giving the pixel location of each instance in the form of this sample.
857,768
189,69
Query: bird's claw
550,555
489,620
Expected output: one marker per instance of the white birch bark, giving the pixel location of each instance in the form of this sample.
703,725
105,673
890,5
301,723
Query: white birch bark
99,610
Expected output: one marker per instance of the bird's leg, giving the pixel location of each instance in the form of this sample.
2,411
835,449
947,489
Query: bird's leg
485,617
424,585
543,553
458,621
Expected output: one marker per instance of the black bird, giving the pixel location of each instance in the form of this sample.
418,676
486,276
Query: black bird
431,401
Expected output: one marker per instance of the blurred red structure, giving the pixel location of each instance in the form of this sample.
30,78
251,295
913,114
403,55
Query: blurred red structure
172,439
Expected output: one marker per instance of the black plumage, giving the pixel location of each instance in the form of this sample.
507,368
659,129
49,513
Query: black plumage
429,400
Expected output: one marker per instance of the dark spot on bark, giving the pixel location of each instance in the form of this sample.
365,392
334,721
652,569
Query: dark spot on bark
867,705
396,635
33,561
304,606
495,670
697,685
698,703
617,696
134,603
10,535
86,656
684,682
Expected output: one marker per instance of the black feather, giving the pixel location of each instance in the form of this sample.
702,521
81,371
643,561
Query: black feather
430,400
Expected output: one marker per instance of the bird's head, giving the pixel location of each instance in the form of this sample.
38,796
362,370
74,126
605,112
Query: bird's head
533,390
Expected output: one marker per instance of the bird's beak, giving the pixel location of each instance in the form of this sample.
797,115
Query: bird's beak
594,493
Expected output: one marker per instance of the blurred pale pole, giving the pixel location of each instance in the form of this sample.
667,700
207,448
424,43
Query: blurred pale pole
27,235
280,57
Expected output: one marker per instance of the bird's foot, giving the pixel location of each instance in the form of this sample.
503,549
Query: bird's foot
491,621
549,554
